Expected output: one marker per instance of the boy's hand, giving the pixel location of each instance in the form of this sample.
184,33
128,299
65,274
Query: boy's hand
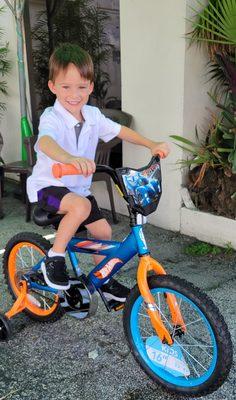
161,149
85,165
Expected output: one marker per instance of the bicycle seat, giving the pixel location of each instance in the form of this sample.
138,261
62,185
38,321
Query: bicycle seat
45,218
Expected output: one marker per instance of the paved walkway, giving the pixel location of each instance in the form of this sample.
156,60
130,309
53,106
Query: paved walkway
52,361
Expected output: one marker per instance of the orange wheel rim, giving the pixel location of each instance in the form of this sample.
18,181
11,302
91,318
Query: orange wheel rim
12,273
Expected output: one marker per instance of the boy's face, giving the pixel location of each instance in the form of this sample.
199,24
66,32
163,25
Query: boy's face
71,90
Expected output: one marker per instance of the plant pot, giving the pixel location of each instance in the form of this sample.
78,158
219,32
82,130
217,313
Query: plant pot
214,192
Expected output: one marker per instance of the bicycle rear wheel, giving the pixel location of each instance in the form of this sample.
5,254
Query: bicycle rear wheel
200,359
23,252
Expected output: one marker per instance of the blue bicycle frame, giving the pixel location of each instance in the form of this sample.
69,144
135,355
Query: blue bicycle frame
116,254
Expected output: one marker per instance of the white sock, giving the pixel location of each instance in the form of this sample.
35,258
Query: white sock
52,253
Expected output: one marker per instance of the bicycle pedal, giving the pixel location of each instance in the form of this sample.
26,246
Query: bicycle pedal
37,277
116,305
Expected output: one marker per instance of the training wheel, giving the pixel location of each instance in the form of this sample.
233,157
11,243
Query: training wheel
5,328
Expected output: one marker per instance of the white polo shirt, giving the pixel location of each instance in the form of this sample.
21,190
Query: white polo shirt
59,124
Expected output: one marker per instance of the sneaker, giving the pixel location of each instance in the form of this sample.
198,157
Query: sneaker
54,273
114,290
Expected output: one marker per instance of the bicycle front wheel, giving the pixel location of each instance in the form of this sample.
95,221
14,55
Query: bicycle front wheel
200,359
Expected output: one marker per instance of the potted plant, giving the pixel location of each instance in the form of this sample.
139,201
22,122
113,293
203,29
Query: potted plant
78,22
211,178
5,66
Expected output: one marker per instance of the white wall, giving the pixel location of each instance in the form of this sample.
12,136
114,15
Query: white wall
10,122
152,59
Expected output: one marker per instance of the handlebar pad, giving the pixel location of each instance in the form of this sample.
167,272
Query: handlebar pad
59,170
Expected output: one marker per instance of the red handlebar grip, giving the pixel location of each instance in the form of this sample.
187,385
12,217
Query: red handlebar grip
56,170
59,170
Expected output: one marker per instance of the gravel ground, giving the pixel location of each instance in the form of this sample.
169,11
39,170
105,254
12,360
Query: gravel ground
52,361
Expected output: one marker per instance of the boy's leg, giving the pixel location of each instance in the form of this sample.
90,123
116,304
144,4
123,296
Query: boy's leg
76,210
112,290
99,230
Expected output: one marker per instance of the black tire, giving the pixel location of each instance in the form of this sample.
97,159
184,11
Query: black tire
222,363
5,328
55,311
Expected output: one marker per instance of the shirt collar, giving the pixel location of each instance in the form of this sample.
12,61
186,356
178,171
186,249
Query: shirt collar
70,120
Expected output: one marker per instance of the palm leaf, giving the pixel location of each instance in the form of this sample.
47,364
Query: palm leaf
221,150
184,140
233,197
227,136
194,153
216,23
217,74
233,161
210,24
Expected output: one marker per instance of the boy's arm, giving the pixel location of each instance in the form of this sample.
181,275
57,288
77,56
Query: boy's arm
50,147
131,136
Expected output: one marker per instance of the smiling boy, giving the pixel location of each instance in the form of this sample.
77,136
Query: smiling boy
69,133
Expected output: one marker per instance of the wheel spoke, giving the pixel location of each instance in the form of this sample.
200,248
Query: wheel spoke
159,302
147,332
190,355
190,323
165,318
192,365
143,315
201,347
30,250
23,263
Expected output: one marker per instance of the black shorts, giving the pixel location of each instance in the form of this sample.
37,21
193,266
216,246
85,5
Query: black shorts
49,199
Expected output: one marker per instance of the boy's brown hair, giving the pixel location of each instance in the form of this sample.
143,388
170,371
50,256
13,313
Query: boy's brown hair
68,53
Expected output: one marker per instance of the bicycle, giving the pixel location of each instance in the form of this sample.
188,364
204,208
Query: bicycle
175,332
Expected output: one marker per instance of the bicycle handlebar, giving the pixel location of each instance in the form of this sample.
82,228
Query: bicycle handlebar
132,183
59,170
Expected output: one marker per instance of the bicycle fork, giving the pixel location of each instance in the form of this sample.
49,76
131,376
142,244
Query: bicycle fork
146,264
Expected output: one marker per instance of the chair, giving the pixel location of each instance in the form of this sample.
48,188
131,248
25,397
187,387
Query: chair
19,167
104,153
122,117
103,157
24,169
